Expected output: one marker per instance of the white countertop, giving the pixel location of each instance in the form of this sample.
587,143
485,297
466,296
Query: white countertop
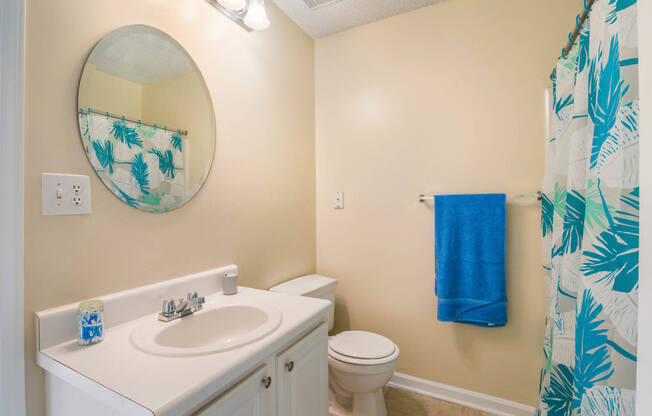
175,386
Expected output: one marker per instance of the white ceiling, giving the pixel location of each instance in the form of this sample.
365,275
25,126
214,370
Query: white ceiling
345,14
141,54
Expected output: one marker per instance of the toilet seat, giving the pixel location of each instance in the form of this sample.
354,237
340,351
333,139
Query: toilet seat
362,348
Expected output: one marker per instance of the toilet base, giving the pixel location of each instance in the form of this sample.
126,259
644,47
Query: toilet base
369,404
363,404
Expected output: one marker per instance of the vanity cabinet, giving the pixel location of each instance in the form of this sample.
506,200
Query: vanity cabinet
282,372
292,383
303,376
253,396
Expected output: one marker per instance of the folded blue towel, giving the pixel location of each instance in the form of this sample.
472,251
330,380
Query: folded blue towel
470,259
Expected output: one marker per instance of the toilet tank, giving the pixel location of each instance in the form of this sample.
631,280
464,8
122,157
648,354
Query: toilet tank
314,286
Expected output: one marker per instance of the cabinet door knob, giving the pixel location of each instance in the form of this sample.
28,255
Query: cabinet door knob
290,365
267,381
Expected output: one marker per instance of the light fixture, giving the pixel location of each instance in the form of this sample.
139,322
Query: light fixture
235,5
256,17
249,18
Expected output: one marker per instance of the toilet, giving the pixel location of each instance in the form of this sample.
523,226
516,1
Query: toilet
360,363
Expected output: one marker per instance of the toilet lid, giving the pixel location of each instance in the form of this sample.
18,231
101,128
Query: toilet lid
362,344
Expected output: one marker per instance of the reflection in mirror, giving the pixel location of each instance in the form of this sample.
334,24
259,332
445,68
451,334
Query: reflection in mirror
146,118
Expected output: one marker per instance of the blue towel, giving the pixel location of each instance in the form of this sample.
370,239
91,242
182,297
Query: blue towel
470,259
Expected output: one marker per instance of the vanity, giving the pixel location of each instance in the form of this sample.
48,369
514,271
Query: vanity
255,353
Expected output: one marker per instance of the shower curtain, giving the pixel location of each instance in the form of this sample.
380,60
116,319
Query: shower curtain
143,166
590,222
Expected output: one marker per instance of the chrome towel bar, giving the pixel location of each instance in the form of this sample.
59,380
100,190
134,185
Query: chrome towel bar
538,196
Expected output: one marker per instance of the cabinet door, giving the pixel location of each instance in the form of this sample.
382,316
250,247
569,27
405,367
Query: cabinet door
303,376
254,396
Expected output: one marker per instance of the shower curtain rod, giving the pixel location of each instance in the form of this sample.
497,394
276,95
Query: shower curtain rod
123,118
538,196
572,37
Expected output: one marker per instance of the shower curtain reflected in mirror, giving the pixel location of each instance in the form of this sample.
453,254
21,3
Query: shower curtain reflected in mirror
590,222
146,167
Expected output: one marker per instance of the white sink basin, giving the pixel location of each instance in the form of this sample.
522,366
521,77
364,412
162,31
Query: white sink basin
217,327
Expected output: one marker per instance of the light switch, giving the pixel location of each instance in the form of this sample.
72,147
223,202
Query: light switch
66,194
339,200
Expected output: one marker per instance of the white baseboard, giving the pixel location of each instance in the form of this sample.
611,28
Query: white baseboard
467,398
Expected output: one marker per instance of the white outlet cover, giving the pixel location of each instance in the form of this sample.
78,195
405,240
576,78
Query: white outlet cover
59,192
339,200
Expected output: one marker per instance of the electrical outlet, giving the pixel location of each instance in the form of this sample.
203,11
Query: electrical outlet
66,194
339,200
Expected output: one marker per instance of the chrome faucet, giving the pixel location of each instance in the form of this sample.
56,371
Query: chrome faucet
176,309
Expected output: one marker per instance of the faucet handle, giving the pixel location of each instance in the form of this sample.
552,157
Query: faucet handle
168,307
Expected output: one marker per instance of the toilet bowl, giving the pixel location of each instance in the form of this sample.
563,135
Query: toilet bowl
360,363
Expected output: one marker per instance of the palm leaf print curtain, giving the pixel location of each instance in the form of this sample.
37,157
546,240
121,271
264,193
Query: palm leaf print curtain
590,222
143,166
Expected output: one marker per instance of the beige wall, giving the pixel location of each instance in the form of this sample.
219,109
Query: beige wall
447,99
257,208
106,92
178,102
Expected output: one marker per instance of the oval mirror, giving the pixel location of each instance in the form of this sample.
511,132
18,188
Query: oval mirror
146,118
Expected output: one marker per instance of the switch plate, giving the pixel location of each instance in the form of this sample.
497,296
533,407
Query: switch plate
339,200
66,194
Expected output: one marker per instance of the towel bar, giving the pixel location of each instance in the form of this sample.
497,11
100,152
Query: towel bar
538,196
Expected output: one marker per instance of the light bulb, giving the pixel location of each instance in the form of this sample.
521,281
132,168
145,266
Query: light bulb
256,17
235,5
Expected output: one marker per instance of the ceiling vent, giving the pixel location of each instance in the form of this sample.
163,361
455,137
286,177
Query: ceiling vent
315,4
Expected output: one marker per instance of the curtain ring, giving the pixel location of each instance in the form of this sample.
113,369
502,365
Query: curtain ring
586,9
563,52
577,22
139,123
165,129
107,115
123,119
570,40
154,126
